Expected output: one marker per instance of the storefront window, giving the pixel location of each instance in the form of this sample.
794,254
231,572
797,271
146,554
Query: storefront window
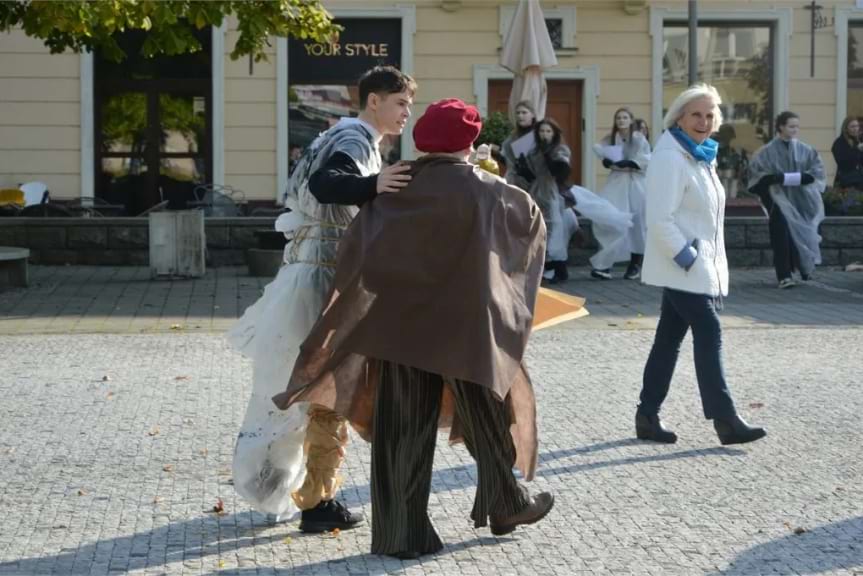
322,79
855,69
738,60
153,133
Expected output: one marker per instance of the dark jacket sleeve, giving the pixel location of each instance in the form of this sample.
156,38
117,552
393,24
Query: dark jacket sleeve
847,158
339,181
559,170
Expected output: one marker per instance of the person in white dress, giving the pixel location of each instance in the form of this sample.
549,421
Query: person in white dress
288,460
625,152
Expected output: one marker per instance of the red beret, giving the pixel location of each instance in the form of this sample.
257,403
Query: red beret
448,125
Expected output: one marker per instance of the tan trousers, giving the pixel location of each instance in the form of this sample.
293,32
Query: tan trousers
326,438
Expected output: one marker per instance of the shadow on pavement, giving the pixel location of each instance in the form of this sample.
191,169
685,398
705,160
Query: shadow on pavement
826,549
695,453
345,565
247,527
213,541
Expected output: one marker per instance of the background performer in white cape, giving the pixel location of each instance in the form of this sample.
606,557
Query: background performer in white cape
625,152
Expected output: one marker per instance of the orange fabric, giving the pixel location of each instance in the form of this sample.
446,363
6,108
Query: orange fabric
326,438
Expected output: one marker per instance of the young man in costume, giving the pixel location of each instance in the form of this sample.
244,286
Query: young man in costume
427,326
284,460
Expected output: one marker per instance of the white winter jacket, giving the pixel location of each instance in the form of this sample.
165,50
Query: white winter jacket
685,202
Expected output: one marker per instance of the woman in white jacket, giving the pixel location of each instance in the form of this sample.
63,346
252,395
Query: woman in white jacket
685,255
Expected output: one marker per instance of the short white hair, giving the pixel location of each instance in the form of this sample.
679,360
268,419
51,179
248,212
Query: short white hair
691,94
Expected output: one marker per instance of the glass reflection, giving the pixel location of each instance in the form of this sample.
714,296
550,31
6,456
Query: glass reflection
183,169
855,69
737,60
313,108
183,122
124,123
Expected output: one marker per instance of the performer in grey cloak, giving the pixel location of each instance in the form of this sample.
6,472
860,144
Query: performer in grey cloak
548,166
788,176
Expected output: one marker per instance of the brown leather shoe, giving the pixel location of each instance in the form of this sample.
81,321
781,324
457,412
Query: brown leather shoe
536,510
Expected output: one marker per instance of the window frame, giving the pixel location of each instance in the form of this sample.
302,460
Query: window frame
780,18
843,16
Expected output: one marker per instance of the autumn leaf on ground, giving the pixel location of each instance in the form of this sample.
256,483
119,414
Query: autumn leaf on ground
219,508
221,563
204,452
153,431
287,540
181,377
156,500
756,405
176,326
110,396
168,468
335,532
82,492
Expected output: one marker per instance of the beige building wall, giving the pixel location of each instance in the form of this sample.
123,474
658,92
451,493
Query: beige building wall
250,122
40,107
40,136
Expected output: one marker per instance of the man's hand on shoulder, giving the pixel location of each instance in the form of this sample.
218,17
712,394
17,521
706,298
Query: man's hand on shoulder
393,178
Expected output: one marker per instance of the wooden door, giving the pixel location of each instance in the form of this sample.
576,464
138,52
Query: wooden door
564,106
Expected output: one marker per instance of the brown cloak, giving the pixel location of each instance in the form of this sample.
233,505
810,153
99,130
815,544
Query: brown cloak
442,276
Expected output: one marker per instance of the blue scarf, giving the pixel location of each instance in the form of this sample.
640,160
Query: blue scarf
704,152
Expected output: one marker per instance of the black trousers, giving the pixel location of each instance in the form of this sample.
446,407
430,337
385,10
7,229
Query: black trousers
407,406
680,312
785,257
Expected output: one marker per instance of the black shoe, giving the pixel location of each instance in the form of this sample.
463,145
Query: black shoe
735,430
537,509
601,274
329,515
561,272
650,427
633,272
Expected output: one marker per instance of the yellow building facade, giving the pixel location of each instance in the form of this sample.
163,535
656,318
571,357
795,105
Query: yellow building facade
611,53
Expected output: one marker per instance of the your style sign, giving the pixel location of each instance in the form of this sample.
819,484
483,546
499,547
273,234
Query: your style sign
362,44
379,50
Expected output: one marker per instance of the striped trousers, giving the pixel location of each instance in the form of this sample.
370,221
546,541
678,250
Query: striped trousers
407,406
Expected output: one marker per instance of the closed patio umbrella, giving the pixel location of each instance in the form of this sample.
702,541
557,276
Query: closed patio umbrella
527,50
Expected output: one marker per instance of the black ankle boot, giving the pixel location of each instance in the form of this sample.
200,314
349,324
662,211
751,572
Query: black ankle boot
650,427
735,430
633,271
561,273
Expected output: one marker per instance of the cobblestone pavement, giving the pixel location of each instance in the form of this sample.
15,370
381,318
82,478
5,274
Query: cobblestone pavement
116,433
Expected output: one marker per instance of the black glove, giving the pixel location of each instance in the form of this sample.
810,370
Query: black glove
607,163
806,178
777,178
627,164
523,170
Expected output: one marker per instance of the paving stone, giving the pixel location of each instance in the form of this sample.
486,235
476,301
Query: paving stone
83,489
